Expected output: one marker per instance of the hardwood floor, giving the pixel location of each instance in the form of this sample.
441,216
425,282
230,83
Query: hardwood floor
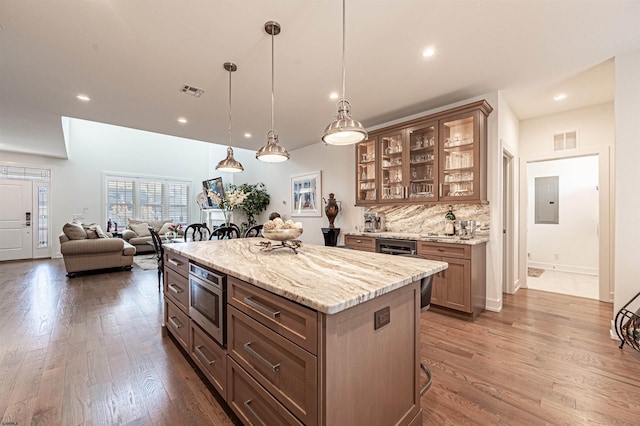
89,351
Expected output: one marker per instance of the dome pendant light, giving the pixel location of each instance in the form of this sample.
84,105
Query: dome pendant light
272,152
344,130
230,164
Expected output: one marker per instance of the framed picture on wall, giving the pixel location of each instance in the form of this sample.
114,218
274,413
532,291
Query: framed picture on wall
306,194
216,186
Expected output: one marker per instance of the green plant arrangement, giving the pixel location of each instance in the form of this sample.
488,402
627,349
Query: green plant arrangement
256,201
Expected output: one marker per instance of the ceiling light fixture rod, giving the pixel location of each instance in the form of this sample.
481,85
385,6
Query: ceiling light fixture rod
272,152
344,130
229,164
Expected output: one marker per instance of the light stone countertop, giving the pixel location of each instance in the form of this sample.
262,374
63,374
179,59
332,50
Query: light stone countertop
478,239
327,279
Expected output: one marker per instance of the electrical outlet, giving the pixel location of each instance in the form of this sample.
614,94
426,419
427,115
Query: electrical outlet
556,256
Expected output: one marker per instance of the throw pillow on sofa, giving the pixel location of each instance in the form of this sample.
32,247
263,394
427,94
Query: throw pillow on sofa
74,231
142,229
166,228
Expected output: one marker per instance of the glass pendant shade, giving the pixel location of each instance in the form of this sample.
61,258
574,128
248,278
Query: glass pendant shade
344,130
272,152
229,164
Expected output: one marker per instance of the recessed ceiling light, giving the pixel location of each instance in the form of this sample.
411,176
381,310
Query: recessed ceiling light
247,135
428,52
84,98
182,120
334,95
559,97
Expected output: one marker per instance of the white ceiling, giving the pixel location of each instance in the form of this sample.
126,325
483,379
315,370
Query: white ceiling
131,58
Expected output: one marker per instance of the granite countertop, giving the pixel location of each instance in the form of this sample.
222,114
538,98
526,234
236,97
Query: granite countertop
478,239
327,279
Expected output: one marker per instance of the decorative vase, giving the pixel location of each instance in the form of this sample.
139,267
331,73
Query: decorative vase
170,235
331,209
227,216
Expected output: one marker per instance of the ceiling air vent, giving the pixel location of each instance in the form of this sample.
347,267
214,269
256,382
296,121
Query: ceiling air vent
190,90
565,140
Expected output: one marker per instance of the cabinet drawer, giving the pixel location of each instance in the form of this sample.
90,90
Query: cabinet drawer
176,288
284,369
252,403
177,323
462,251
293,321
176,262
360,243
210,357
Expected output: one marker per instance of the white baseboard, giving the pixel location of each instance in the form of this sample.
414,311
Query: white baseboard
563,268
493,305
612,331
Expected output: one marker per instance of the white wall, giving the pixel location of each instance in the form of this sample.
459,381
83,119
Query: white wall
509,140
338,176
572,244
627,198
95,148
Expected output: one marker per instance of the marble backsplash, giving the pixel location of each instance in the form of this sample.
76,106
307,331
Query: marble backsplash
425,219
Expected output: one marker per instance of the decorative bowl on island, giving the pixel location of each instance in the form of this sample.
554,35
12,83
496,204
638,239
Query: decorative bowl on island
282,234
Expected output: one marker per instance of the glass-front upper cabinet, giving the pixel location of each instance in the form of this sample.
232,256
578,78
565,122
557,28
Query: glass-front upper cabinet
392,165
460,157
423,164
366,172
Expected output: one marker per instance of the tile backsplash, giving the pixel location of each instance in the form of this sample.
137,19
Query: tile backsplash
424,219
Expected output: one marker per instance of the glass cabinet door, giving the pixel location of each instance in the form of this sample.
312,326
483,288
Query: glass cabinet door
460,160
391,166
366,172
423,170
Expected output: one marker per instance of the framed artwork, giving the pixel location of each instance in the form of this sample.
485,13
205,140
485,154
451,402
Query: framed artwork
216,186
306,194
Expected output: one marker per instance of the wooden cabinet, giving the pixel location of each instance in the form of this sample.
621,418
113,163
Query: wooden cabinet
462,286
210,357
357,242
437,158
176,297
367,172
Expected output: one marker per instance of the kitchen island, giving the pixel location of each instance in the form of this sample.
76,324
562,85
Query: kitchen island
326,336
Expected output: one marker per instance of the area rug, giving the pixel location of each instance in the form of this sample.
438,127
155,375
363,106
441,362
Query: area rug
534,272
146,261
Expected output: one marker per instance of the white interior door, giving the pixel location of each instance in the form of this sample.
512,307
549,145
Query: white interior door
16,241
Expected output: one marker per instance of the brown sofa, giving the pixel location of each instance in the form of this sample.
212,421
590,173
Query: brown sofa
88,254
141,239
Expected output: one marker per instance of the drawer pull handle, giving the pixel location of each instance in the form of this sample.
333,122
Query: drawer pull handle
440,249
174,323
358,241
176,290
274,368
258,307
253,413
203,356
175,262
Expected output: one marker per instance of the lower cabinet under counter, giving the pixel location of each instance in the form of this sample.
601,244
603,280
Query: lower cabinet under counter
357,366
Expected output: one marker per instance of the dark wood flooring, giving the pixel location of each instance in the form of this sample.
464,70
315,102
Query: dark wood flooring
89,351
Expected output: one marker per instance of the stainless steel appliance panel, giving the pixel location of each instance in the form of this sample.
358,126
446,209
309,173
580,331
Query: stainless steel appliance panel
207,301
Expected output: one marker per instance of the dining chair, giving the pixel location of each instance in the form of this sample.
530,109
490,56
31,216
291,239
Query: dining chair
254,231
225,233
159,253
199,232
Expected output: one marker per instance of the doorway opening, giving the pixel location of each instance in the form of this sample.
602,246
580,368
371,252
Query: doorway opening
563,226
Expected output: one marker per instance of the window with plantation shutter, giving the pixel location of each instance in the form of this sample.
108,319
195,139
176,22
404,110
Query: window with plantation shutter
120,206
146,198
178,202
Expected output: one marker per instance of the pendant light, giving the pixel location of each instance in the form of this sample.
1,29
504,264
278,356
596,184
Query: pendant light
344,130
230,164
272,152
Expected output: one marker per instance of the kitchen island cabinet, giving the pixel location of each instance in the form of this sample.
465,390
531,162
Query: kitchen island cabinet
306,331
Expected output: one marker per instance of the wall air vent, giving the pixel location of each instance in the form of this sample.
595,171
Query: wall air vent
565,140
190,90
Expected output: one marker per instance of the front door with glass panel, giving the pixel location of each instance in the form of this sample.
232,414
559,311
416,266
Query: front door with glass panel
16,222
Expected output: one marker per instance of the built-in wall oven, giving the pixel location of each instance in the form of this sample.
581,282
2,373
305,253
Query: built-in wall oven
207,301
